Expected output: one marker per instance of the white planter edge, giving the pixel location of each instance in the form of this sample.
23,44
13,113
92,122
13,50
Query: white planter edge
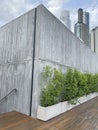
46,113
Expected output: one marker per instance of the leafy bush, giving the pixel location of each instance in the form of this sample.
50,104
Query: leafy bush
52,93
90,83
49,96
95,83
70,86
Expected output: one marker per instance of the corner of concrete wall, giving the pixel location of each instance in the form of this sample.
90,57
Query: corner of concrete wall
58,47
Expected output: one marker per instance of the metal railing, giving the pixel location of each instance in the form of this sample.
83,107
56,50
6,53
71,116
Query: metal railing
9,94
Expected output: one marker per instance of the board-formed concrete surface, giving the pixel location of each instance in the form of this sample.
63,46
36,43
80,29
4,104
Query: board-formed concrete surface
29,43
16,61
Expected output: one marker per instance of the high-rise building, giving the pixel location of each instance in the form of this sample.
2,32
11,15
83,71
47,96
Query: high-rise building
82,26
65,18
94,40
86,18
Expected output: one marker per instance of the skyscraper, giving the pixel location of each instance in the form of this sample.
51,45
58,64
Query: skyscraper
86,18
82,26
65,18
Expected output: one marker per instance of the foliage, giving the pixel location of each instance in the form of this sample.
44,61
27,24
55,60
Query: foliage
52,93
47,74
95,83
73,101
70,86
48,96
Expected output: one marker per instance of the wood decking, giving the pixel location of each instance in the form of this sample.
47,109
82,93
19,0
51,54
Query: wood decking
83,117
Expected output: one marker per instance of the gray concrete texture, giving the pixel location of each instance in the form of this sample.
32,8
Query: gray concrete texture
29,43
16,59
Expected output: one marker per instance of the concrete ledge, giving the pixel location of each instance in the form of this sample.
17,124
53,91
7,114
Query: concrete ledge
46,113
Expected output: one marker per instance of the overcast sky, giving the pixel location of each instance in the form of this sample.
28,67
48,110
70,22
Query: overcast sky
10,9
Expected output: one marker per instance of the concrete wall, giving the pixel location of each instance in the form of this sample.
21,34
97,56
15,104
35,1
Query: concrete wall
58,47
16,62
29,43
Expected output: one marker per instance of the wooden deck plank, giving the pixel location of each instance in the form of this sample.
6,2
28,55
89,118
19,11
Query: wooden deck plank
83,117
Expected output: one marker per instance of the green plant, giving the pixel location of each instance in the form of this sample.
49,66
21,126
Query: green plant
73,101
58,82
51,94
48,96
95,83
90,83
70,86
81,83
47,74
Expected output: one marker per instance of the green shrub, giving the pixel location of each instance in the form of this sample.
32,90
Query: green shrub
49,96
70,86
81,83
58,82
52,94
47,74
95,83
90,83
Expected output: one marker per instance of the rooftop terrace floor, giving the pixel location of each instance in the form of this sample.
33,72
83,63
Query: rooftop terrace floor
83,117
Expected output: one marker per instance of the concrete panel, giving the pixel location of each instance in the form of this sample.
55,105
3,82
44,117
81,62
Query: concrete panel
16,76
58,47
55,42
16,62
16,39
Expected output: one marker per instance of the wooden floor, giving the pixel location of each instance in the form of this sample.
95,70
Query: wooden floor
83,117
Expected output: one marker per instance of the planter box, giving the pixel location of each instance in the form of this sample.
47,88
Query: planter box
46,113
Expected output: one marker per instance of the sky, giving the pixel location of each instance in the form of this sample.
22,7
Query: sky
10,9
